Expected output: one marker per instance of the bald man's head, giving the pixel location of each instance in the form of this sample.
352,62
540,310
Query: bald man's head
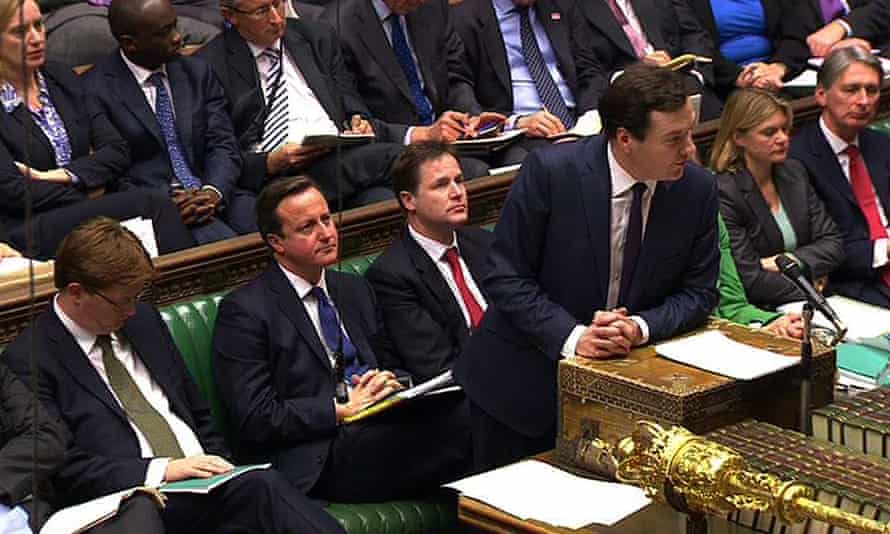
145,30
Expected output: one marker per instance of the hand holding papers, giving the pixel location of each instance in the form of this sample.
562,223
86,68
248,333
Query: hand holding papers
439,384
536,490
716,353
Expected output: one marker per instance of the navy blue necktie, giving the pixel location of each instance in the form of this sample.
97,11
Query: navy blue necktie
537,67
334,336
406,61
167,122
633,241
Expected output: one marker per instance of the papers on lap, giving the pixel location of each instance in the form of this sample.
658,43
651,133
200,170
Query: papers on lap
536,490
444,383
331,140
206,485
487,145
716,353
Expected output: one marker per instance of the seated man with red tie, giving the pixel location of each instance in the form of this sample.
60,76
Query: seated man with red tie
849,166
429,280
296,355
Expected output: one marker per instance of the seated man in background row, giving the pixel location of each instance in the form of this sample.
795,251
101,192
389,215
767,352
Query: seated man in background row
285,79
864,23
285,343
532,60
428,280
603,245
849,166
108,367
171,112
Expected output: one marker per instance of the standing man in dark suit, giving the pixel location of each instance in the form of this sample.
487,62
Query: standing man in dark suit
273,109
108,368
603,245
533,60
849,166
284,345
171,111
654,32
429,279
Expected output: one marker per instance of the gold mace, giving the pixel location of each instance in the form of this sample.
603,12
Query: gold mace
695,475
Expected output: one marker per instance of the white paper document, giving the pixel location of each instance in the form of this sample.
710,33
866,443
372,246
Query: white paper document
537,490
145,231
866,324
716,353
83,516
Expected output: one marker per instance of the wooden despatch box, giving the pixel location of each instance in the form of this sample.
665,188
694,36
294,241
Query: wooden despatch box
605,398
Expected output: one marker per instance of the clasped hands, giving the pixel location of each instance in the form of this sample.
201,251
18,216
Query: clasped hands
612,333
373,386
767,76
196,206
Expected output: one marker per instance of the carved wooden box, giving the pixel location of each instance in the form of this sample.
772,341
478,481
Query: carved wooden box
605,398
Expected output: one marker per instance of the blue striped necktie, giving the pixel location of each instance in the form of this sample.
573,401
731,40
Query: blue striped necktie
334,336
537,67
275,125
409,67
167,122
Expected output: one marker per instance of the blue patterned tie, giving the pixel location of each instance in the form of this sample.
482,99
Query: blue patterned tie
167,122
534,60
406,61
335,337
275,124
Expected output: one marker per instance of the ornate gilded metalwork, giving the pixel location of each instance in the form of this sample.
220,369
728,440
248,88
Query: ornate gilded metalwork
695,475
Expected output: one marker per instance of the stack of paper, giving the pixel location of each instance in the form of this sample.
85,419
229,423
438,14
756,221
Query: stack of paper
716,353
536,490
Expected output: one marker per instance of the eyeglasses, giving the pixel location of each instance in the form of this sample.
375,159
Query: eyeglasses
260,12
128,304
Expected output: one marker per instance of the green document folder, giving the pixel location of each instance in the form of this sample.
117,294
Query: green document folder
206,485
863,360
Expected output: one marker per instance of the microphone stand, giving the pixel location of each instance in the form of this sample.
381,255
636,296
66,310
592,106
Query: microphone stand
806,369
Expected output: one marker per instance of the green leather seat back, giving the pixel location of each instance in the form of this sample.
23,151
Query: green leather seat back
357,265
882,126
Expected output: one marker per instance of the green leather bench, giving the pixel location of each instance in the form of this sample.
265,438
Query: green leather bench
191,324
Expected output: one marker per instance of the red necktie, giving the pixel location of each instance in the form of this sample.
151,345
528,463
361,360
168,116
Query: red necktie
473,307
864,190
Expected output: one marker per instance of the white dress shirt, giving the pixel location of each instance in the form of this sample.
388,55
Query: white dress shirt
150,389
310,303
620,202
306,115
838,146
436,252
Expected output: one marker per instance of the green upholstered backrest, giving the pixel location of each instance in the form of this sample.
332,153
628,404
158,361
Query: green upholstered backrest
357,265
882,126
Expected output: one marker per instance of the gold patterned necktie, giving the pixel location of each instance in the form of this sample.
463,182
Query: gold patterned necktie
152,425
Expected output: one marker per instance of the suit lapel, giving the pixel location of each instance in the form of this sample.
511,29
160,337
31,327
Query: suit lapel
646,15
62,102
656,231
424,49
493,42
758,206
431,276
475,258
600,15
878,171
301,53
292,308
241,58
370,30
794,200
352,324
554,26
26,122
829,164
131,96
183,103
596,192
78,365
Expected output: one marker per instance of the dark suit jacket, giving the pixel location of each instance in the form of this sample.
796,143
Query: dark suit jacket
670,25
550,273
573,43
782,28
381,82
306,10
422,317
104,455
871,21
810,147
17,462
810,13
754,233
275,376
98,154
205,130
316,52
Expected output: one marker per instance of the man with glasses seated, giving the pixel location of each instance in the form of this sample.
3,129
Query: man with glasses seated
285,79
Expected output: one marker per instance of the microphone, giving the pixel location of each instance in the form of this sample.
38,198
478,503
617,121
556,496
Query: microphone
791,270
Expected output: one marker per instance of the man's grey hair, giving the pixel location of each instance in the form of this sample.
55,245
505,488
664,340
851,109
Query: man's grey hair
841,59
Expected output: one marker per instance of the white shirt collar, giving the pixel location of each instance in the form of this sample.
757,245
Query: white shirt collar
837,144
433,248
85,340
383,11
141,73
622,181
300,285
257,49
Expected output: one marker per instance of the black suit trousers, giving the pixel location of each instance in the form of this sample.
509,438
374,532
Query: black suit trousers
257,501
408,450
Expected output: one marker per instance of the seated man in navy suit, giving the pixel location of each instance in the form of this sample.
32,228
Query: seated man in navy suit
287,343
429,280
603,245
849,166
107,366
171,110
